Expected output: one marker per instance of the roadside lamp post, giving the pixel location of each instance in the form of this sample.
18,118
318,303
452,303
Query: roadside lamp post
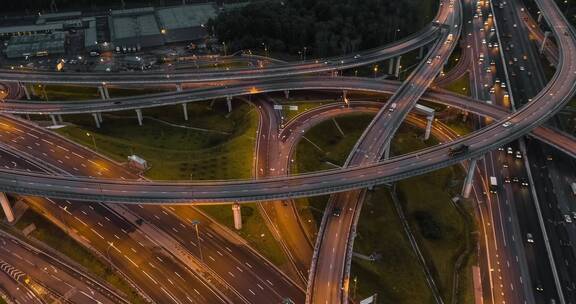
196,223
93,140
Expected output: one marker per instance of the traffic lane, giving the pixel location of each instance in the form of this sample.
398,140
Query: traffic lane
551,202
562,176
508,263
15,291
255,279
328,284
538,263
49,275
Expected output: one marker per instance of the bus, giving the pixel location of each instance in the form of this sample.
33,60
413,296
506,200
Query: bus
493,184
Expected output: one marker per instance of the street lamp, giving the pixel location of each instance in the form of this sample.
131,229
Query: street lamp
196,223
110,244
396,32
375,70
305,48
93,140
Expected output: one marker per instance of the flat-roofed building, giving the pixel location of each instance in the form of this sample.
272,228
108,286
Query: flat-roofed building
148,27
135,27
185,23
36,45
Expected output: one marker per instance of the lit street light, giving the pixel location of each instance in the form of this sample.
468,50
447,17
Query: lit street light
196,223
93,140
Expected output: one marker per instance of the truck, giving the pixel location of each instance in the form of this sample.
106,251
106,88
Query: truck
573,186
461,149
493,184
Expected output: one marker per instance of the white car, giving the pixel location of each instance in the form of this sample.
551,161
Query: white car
506,124
567,218
529,238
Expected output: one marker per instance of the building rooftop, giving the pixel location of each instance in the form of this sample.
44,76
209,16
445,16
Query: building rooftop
134,26
185,16
30,28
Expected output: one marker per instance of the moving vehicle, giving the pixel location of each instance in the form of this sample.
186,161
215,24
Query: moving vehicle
458,150
493,184
529,238
336,212
393,107
573,186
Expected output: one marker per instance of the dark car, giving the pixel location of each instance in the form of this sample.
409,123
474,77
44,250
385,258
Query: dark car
336,211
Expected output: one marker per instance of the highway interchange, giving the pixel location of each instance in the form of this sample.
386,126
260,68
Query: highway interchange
364,167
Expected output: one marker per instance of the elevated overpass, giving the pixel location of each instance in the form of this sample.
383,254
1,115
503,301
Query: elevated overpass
425,36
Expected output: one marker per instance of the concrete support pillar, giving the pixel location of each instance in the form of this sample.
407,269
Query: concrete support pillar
60,119
469,178
102,94
237,216
96,120
6,207
99,116
229,103
185,110
429,120
421,53
387,150
23,86
391,66
106,92
139,115
397,72
287,94
53,117
546,34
